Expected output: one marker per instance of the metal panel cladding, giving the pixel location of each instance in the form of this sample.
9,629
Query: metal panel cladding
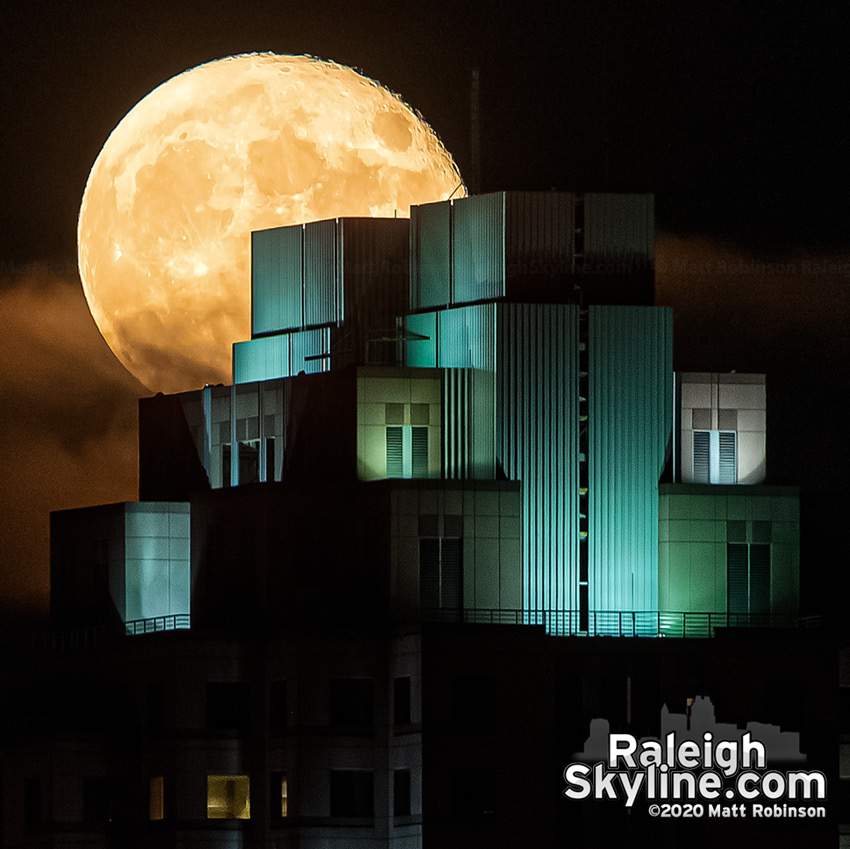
630,386
466,337
478,248
261,359
539,229
619,232
375,270
430,255
537,444
309,351
276,280
322,282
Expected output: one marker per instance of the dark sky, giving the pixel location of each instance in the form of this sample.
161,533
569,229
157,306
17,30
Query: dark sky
734,114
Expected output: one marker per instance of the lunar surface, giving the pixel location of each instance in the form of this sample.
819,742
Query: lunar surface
239,144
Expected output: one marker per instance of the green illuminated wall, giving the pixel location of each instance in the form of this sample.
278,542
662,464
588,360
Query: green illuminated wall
156,566
285,355
532,351
397,398
696,524
127,561
630,421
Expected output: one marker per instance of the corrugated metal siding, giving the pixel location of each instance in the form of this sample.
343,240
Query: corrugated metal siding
538,240
276,279
261,359
466,337
619,229
478,248
420,352
430,253
375,266
537,412
468,425
322,283
630,386
308,344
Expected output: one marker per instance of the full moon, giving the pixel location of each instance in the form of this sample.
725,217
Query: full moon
239,144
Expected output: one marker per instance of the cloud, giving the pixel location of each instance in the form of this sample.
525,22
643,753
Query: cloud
68,415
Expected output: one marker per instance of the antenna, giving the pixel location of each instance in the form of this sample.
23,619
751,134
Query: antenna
475,132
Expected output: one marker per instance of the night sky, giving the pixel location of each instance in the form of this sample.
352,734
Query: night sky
734,114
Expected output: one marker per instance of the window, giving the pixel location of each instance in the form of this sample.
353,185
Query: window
715,456
440,574
227,705
249,461
401,792
407,452
155,707
97,799
352,702
401,701
748,578
228,797
279,795
278,706
157,800
352,793
32,800
270,475
225,464
475,791
474,701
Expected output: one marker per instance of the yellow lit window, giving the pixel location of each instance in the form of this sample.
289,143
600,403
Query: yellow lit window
228,797
283,796
157,802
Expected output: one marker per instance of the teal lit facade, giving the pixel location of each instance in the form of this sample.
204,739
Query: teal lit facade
137,552
703,531
503,338
530,355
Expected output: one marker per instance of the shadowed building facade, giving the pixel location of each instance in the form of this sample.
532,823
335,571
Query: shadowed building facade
353,605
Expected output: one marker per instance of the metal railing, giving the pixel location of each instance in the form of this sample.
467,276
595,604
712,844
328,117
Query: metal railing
618,623
175,622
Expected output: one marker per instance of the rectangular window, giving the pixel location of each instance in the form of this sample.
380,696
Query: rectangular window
249,462
352,702
715,456
401,701
155,707
270,467
748,578
401,792
440,574
474,700
228,797
419,452
278,706
97,799
407,452
395,459
279,794
156,798
225,464
228,706
352,793
32,800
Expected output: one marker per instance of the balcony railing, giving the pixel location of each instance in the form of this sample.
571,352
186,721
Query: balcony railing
617,623
175,622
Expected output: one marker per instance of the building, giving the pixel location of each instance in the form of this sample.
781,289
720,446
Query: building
454,451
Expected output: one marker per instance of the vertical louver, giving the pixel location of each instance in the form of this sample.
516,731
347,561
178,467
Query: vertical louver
395,462
727,458
702,461
419,440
